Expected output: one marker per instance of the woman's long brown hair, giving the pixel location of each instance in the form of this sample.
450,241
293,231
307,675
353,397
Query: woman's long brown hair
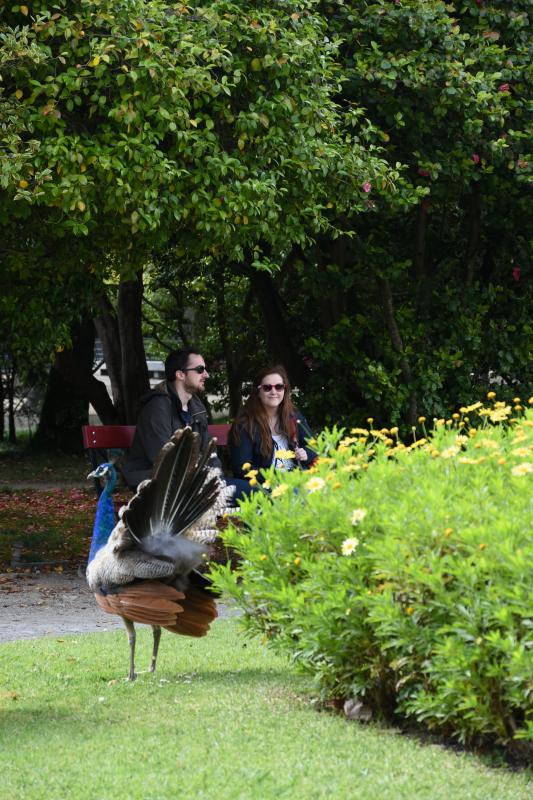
253,416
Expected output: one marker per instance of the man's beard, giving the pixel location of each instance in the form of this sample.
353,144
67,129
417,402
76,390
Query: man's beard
193,389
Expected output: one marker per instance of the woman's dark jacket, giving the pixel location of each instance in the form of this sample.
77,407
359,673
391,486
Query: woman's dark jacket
247,450
161,414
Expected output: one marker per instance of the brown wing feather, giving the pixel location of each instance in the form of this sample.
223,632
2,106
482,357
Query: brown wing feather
154,603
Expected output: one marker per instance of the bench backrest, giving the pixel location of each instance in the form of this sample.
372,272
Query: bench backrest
120,437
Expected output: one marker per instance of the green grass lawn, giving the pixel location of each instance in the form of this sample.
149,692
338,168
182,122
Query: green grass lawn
222,718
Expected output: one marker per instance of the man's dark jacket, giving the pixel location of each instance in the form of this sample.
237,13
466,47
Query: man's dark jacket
160,415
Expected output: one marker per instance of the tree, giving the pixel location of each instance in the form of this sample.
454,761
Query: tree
230,145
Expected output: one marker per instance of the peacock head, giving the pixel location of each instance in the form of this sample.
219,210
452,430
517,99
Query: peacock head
106,471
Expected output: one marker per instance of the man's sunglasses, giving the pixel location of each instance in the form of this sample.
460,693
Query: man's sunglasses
200,369
266,387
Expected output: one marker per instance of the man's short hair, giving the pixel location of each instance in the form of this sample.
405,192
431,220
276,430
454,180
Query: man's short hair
178,359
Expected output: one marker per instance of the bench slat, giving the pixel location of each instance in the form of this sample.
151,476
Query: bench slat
102,437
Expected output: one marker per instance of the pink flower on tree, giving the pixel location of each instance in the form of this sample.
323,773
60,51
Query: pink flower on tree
475,158
516,273
367,187
504,87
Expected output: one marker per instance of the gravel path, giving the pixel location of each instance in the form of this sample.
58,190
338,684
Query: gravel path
51,604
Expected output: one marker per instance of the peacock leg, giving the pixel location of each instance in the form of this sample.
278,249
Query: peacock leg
156,630
130,627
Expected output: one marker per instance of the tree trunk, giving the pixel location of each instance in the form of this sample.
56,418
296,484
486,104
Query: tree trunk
397,343
107,329
473,259
71,385
134,369
277,331
12,430
233,363
2,401
421,238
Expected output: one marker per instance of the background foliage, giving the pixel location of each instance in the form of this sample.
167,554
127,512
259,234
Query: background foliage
341,186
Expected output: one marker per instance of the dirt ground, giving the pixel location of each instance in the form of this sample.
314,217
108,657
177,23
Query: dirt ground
51,604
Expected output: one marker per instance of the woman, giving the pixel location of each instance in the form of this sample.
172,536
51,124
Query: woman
268,424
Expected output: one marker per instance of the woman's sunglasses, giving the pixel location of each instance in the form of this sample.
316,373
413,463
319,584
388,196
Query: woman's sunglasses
266,387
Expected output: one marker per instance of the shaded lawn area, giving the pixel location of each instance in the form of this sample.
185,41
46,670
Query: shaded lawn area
18,463
52,525
222,718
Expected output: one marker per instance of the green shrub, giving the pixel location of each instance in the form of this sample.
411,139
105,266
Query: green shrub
404,574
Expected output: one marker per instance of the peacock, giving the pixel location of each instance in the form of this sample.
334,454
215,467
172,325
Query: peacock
144,568
105,510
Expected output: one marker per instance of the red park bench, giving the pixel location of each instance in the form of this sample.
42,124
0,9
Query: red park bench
99,440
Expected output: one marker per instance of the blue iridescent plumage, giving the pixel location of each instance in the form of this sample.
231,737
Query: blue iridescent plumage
105,511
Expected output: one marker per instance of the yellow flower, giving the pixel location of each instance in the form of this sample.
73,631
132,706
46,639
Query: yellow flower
421,420
516,400
266,484
349,545
409,610
297,561
530,401
347,441
501,461
500,414
337,485
315,484
262,558
394,431
279,490
456,416
285,453
246,466
482,546
450,452
522,469
251,474
491,395
522,452
253,481
370,420
350,468
358,515
359,431
490,444
448,531
473,407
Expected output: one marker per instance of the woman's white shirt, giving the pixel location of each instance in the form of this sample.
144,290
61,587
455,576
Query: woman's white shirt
281,443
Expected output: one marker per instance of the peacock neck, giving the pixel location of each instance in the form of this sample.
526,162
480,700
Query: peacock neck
105,517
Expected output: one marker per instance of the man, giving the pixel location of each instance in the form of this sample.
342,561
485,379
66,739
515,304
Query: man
170,405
